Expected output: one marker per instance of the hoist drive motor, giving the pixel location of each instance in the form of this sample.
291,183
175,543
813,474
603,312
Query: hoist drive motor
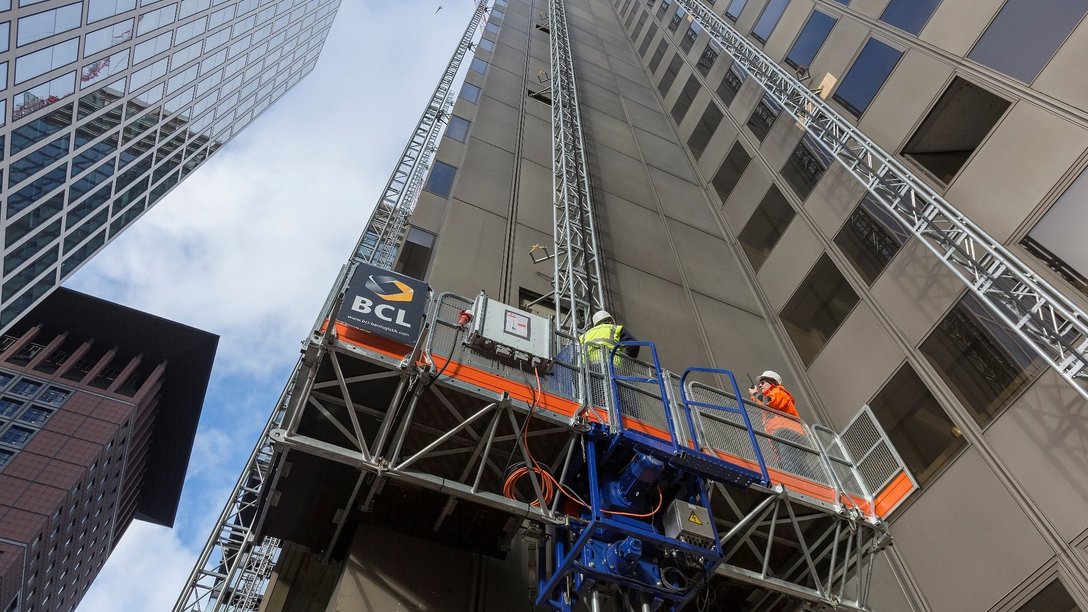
512,335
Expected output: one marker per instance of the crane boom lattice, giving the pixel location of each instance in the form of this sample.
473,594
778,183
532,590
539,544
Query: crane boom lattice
1053,325
385,230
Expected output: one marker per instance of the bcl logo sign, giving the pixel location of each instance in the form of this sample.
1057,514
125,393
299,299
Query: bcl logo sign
385,303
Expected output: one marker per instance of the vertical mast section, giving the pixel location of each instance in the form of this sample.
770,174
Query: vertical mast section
577,279
382,237
1055,327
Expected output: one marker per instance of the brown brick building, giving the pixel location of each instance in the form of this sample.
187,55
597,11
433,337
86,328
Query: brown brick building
98,411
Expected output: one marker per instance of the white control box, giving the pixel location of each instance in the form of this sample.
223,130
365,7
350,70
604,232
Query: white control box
513,335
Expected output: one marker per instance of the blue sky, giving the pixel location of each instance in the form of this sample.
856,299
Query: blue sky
248,246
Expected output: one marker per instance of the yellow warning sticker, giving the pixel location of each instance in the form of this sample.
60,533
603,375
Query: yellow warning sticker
694,518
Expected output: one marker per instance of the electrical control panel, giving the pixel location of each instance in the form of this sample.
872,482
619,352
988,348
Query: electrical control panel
689,523
515,336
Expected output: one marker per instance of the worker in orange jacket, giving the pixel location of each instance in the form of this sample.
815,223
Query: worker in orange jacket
771,394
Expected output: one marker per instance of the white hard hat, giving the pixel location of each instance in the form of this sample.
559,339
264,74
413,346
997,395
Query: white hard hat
600,316
772,375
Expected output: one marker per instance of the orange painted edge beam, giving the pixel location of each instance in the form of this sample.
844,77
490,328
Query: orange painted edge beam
895,492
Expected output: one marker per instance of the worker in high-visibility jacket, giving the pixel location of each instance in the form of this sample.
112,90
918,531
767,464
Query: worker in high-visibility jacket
777,420
604,334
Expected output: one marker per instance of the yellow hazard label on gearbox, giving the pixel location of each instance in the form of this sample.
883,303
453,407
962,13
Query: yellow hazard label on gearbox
694,518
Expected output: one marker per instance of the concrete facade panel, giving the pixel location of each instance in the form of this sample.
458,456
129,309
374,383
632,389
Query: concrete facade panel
622,176
916,289
1048,438
1059,77
664,154
838,51
536,139
469,234
995,189
956,26
648,119
657,310
635,236
535,197
789,263
682,200
509,58
637,90
718,147
739,340
853,365
747,195
968,516
493,194
492,124
711,267
607,132
833,199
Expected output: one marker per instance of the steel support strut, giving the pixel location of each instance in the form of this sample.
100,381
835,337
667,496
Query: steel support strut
1053,325
386,228
577,279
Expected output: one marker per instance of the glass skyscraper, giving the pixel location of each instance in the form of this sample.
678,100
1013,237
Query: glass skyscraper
106,105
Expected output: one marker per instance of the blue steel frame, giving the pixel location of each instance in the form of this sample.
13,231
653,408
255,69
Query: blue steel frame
601,526
688,404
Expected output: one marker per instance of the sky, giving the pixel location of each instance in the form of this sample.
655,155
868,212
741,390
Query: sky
248,246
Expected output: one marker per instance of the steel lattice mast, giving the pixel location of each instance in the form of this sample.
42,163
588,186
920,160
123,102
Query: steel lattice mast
577,279
1037,312
385,230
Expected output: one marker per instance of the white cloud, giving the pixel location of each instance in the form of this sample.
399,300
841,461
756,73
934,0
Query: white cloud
248,246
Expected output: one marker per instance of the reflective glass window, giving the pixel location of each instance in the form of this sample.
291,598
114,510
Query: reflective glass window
917,425
99,40
184,56
731,83
91,180
182,79
1052,598
146,75
81,233
866,76
677,17
192,7
189,30
669,76
94,154
153,20
1025,34
683,101
5,36
984,362
101,9
47,23
709,56
50,58
691,36
487,45
9,407
734,9
440,181
806,166
650,33
1057,240
658,55
415,256
458,128
35,218
38,129
31,247
478,65
38,160
704,130
664,8
492,28
769,19
16,436
470,92
35,415
26,388
909,15
817,308
763,117
871,237
71,262
809,41
728,175
105,68
27,196
765,227
151,47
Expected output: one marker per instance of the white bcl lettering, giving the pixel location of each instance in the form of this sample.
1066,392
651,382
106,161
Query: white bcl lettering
384,311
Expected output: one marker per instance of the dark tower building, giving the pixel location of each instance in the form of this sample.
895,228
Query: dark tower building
98,411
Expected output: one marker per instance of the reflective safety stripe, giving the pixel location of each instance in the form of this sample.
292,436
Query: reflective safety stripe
598,338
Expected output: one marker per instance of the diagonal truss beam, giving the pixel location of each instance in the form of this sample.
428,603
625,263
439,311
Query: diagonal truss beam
577,279
385,230
1055,327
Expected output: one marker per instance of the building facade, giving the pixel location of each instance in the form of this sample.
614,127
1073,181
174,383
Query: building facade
106,105
98,414
730,238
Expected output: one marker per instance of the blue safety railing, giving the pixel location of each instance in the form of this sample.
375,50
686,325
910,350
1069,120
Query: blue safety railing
657,378
688,404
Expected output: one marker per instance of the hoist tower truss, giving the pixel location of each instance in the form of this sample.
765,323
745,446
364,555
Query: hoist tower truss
577,280
1055,327
385,231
